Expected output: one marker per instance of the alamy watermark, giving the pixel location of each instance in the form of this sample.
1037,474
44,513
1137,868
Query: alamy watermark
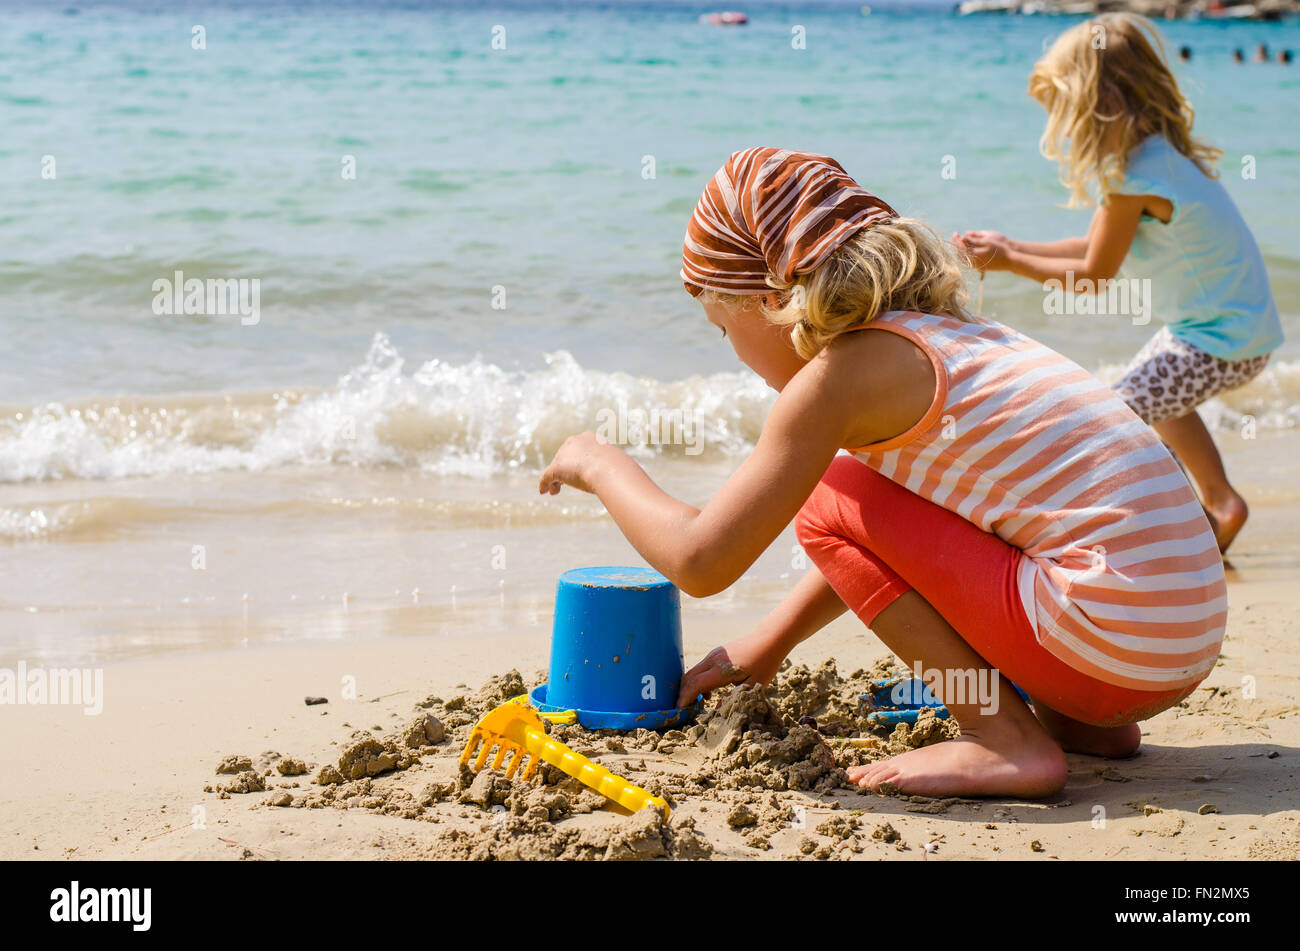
969,685
77,903
1116,297
42,686
212,297
657,426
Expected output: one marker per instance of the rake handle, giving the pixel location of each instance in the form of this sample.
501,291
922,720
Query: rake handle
630,797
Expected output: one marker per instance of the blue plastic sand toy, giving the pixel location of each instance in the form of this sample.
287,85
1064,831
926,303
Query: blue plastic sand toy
901,701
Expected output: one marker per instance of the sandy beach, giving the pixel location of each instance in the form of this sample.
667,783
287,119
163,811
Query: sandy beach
1217,777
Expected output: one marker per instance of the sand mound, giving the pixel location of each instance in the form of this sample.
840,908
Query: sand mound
783,736
761,753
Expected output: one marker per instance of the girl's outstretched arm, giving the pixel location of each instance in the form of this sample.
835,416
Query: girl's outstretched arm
853,393
1065,248
1095,260
702,551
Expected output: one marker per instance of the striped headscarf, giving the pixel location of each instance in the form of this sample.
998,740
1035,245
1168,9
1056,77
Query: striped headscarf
772,211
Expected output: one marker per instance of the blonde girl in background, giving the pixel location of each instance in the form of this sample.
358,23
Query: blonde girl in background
1121,130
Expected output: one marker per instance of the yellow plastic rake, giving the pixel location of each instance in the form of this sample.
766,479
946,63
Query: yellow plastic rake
515,727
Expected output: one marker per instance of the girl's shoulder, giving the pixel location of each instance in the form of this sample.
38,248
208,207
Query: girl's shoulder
1155,159
1155,167
895,349
888,383
1155,144
1150,155
947,342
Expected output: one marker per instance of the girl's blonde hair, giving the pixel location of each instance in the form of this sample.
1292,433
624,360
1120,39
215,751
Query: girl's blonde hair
900,264
1107,86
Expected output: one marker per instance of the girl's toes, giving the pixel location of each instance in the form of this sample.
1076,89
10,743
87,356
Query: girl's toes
878,779
871,775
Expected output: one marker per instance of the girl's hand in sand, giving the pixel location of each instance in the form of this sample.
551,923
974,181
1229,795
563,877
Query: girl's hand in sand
987,250
573,463
746,660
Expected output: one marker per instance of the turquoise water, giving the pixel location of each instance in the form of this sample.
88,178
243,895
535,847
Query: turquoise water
477,169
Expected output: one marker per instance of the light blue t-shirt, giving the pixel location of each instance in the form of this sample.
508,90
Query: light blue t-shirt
1208,281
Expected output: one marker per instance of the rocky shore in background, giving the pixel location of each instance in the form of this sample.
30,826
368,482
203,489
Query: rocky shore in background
1156,9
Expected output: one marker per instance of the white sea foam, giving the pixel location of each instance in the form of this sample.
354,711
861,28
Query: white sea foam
475,419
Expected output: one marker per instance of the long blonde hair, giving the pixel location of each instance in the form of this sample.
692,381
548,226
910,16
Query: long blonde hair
900,264
1107,86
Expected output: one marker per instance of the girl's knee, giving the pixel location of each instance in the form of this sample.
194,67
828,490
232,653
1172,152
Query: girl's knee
820,513
809,524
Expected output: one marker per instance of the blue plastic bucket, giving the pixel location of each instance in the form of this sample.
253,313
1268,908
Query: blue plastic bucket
616,643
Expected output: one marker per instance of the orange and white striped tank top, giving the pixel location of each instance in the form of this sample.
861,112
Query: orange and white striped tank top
1122,577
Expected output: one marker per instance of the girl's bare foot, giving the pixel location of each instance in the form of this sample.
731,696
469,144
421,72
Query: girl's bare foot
1227,514
1000,756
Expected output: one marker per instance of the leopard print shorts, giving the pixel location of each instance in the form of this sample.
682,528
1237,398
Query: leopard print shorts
1169,378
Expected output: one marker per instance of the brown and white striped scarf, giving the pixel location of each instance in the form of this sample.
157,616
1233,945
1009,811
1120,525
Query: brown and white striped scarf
772,211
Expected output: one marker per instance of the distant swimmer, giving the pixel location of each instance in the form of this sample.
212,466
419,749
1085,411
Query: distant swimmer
1284,57
1261,53
1238,56
1185,54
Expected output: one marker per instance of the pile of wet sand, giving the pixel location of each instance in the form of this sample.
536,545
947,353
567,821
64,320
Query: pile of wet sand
758,751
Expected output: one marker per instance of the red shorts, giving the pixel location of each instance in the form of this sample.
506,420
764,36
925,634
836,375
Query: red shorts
873,541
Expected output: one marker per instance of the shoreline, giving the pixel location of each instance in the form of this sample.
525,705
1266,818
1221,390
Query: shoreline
327,556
